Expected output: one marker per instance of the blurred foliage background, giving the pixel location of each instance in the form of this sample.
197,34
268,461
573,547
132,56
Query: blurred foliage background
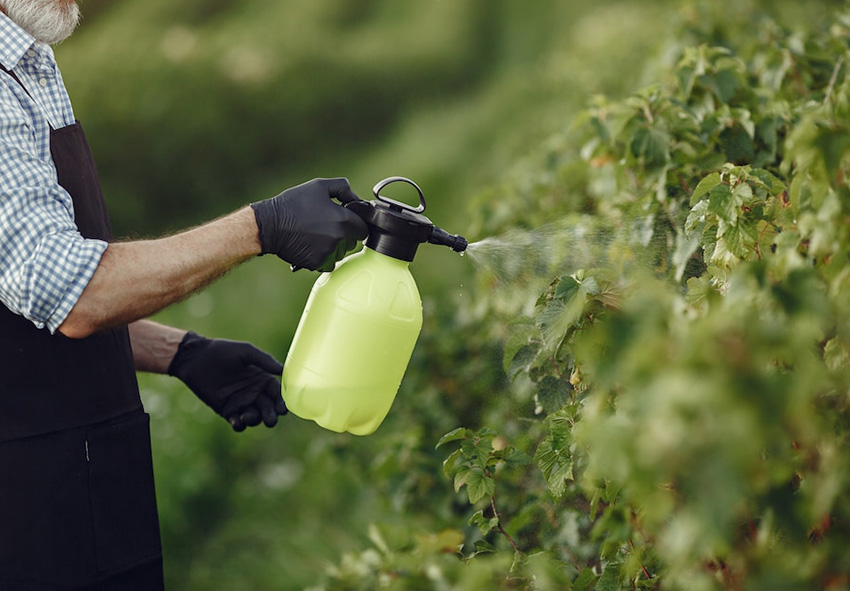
194,108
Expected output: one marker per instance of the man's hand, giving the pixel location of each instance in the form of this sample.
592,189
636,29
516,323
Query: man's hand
304,227
235,379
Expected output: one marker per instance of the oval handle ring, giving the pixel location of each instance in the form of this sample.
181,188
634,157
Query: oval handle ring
397,204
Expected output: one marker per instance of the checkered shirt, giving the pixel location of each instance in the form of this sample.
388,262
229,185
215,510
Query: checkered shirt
44,261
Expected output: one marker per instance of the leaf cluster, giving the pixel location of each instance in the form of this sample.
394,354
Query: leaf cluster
692,386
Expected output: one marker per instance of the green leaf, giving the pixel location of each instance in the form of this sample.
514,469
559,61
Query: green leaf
740,239
567,287
590,286
522,333
553,458
699,290
559,478
454,435
723,203
560,427
522,360
686,76
744,194
484,524
835,355
484,547
767,132
479,485
721,256
585,580
452,463
462,478
766,236
477,450
610,578
725,84
769,181
559,316
516,457
553,393
833,145
696,217
377,538
651,146
704,186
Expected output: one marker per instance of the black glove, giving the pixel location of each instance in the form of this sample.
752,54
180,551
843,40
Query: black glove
235,379
305,228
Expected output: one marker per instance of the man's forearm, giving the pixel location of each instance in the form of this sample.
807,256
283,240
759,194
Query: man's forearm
137,279
154,345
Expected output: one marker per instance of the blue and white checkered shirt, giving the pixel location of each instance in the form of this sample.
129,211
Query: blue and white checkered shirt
44,261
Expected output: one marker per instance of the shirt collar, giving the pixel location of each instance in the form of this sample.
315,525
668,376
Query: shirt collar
14,42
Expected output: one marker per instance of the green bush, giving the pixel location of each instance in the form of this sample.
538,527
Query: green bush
678,406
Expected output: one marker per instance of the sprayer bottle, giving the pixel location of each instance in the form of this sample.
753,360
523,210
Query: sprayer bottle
361,321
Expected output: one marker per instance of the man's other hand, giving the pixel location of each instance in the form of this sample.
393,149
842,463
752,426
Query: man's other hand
235,379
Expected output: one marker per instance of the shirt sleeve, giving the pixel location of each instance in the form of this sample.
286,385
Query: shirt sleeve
45,264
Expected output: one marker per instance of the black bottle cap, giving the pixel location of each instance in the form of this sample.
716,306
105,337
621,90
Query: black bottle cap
397,229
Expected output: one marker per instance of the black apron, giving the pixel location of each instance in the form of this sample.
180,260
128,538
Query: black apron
77,499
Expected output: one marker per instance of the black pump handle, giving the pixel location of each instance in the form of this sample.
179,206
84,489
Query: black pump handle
397,204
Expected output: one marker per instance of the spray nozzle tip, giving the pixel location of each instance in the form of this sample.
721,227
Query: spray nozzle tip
454,241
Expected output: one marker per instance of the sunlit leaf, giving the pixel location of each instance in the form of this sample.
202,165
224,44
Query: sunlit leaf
723,203
479,485
704,186
454,435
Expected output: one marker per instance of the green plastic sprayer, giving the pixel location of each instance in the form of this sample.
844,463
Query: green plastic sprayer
361,321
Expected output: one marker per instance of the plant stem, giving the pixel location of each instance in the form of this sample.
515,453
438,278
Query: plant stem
832,79
642,567
500,528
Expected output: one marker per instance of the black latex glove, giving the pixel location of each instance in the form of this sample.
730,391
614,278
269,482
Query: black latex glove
235,379
304,226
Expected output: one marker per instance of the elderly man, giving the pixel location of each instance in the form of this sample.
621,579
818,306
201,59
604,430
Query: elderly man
77,503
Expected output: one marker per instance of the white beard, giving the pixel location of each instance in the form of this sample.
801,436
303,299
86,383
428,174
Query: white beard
49,21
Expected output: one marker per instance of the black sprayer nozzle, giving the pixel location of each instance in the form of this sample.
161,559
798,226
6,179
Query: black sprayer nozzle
397,229
454,241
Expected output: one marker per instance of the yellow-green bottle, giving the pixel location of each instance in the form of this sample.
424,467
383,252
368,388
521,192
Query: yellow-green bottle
361,321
